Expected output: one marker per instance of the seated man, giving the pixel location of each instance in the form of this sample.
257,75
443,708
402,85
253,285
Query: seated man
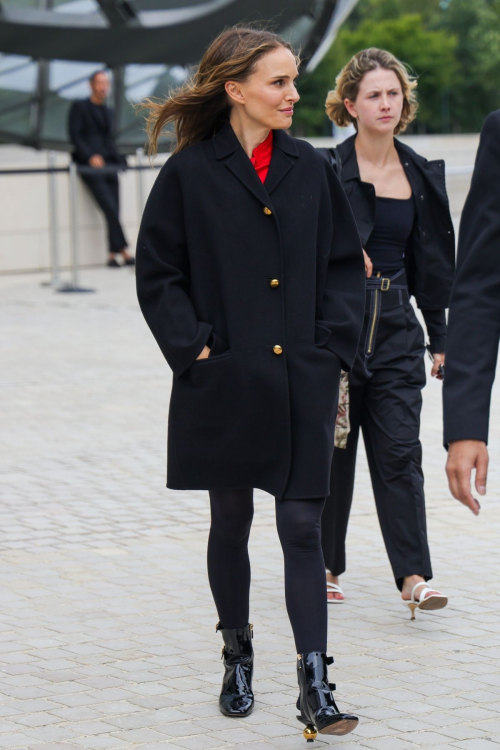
90,132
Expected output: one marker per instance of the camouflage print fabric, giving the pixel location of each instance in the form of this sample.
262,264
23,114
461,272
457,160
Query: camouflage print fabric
342,424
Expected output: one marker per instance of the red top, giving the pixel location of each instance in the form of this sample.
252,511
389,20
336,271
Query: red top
261,157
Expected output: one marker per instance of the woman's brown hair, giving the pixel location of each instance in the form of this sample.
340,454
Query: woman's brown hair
350,77
199,107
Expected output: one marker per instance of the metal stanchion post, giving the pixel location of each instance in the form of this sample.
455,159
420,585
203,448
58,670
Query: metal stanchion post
72,223
140,183
53,224
73,230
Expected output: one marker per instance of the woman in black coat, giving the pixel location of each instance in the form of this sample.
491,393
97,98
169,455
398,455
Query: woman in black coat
401,208
250,275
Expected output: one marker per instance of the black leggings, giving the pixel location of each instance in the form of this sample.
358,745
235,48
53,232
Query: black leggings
299,530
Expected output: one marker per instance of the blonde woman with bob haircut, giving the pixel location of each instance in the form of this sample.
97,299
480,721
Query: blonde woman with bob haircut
250,275
401,208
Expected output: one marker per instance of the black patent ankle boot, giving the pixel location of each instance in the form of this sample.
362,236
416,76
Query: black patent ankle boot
236,698
318,710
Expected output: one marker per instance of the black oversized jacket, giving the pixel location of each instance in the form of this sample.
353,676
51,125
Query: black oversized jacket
474,319
91,132
273,276
430,252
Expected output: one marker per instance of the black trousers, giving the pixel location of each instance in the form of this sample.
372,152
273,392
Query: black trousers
105,189
299,529
385,403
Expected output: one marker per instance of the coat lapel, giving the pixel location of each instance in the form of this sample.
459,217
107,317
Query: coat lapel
347,152
227,147
241,166
281,163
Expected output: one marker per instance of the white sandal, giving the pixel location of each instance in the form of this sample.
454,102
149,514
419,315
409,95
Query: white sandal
434,601
333,588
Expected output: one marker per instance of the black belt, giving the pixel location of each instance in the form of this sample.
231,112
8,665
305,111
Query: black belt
384,283
375,285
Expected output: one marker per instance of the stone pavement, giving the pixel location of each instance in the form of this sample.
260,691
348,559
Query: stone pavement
106,620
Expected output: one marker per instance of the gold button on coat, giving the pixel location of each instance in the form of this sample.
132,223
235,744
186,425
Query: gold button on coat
274,283
267,211
277,349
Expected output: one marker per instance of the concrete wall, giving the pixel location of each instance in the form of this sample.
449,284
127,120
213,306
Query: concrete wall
24,214
24,224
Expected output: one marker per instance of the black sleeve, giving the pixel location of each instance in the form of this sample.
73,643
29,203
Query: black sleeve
163,274
343,303
77,133
116,156
435,322
474,316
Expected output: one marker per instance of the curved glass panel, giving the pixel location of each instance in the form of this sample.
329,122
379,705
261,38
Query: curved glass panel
17,73
75,6
21,3
35,96
18,76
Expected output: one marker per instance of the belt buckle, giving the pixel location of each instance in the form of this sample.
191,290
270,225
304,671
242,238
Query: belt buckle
385,285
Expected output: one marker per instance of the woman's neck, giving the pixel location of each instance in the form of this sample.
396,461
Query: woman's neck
377,149
250,134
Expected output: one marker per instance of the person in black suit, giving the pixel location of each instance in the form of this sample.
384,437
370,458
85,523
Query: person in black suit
474,325
91,133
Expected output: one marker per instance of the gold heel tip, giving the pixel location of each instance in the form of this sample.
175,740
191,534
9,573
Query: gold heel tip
412,607
310,733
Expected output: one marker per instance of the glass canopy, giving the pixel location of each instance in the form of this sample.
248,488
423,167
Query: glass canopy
49,48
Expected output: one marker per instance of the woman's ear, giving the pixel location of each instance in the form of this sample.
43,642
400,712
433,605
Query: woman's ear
233,90
351,108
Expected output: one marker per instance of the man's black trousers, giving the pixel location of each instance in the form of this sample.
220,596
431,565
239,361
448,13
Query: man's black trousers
105,189
385,403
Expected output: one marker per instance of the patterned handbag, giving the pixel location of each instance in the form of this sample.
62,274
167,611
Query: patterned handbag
342,424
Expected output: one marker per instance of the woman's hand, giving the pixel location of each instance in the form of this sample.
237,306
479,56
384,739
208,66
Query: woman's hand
204,354
368,265
438,360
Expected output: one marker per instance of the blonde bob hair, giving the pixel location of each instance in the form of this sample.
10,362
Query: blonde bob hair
350,77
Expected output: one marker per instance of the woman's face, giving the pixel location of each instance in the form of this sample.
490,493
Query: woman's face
268,95
379,102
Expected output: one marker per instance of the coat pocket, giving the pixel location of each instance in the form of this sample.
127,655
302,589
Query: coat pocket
321,334
218,350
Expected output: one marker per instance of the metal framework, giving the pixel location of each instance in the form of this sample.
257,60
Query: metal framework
122,35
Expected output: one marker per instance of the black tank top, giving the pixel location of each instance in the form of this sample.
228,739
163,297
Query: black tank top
387,242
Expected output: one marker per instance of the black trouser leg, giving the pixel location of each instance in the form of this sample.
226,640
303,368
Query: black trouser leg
338,504
391,425
299,529
227,555
385,400
105,190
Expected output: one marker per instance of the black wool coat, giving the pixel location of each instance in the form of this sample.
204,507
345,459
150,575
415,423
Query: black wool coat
272,278
474,318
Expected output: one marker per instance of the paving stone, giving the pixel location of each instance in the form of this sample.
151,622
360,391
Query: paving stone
102,571
427,739
201,742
